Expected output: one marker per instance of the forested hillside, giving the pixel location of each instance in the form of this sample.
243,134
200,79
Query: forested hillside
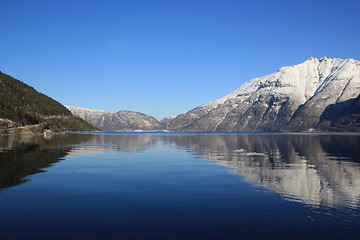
23,105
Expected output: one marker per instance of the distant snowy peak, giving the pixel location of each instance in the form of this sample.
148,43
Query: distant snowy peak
293,98
89,115
166,120
82,112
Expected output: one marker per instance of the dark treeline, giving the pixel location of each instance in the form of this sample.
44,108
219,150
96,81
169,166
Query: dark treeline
24,105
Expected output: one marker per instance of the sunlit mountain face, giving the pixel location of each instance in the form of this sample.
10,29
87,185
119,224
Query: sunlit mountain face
292,99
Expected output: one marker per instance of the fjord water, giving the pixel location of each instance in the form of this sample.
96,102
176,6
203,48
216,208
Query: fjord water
180,186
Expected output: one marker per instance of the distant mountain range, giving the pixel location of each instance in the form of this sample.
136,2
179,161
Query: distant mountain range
295,98
316,95
121,121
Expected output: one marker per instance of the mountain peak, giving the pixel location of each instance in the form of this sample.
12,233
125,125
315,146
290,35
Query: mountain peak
295,94
311,58
324,59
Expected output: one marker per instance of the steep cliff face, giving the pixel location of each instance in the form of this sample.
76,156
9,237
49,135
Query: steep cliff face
292,99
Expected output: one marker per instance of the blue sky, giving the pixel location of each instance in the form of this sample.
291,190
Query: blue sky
165,57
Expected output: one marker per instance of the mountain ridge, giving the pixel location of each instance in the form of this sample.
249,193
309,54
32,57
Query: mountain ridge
269,103
315,95
123,120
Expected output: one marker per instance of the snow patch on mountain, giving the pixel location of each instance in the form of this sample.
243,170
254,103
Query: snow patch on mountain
121,121
165,121
293,98
85,112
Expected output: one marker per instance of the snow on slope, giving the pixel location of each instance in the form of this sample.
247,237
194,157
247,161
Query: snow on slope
89,115
120,121
269,102
128,121
303,80
165,121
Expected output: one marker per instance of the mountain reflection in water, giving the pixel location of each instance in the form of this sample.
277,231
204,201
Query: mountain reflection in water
316,169
313,169
24,155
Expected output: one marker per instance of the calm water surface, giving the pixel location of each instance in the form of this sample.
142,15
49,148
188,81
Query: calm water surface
180,186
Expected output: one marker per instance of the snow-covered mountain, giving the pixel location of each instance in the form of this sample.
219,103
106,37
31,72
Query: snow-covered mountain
128,121
166,120
89,115
120,121
292,99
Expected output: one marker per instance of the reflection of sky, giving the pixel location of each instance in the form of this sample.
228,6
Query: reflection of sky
296,166
313,169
